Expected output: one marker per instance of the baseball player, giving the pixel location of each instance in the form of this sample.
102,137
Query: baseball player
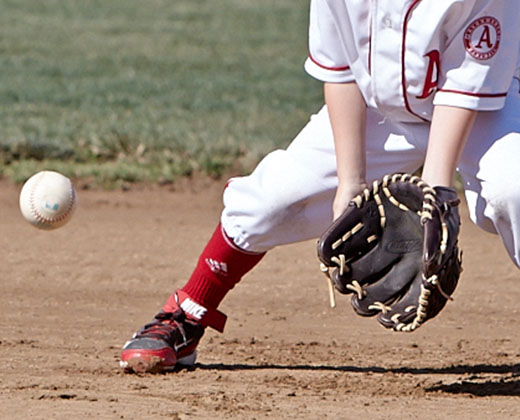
407,84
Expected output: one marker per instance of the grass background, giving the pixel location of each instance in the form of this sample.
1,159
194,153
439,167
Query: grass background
126,90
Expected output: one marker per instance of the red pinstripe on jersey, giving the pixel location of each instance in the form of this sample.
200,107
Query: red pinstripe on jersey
342,68
403,50
480,95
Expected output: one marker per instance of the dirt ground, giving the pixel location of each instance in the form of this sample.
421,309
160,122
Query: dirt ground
70,298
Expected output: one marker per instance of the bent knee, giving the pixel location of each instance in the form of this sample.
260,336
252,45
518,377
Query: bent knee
279,203
502,201
496,204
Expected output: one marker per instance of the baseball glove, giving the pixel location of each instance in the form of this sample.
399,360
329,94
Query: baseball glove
396,249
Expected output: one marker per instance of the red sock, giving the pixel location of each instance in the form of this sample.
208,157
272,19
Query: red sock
220,266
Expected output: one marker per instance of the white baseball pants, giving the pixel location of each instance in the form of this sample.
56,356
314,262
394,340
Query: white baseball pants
288,197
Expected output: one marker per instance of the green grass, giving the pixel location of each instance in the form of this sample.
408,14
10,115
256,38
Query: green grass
150,91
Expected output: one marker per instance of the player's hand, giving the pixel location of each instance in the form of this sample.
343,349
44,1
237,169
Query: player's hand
344,193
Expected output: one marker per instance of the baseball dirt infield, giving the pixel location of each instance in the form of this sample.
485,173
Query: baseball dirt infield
70,298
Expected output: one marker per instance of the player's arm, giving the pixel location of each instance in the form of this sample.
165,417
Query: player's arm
449,131
347,113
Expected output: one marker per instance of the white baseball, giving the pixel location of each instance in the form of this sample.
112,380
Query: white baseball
47,200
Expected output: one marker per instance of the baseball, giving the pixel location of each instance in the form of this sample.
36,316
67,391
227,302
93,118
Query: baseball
47,200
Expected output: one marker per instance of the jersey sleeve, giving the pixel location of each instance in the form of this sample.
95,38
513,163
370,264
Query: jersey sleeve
480,60
327,60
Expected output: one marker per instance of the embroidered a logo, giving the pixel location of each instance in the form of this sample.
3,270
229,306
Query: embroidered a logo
217,267
432,74
482,37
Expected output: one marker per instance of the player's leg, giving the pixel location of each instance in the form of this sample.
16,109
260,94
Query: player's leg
173,335
287,198
490,171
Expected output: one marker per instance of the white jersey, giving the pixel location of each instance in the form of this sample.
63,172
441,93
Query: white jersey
408,55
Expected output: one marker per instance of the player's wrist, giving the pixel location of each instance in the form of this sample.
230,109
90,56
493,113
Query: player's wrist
352,185
347,189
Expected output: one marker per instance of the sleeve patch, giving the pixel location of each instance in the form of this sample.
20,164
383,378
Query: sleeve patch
482,37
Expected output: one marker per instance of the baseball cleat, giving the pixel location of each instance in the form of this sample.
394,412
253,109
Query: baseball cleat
168,341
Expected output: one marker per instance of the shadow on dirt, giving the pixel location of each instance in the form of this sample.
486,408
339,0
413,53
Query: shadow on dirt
475,385
513,369
502,387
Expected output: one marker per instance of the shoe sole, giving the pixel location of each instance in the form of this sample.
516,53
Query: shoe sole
155,363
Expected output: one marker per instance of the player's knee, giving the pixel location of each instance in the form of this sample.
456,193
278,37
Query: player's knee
256,206
500,206
502,211
504,200
500,172
255,210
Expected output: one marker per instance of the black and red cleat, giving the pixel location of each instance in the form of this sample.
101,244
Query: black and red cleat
168,341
